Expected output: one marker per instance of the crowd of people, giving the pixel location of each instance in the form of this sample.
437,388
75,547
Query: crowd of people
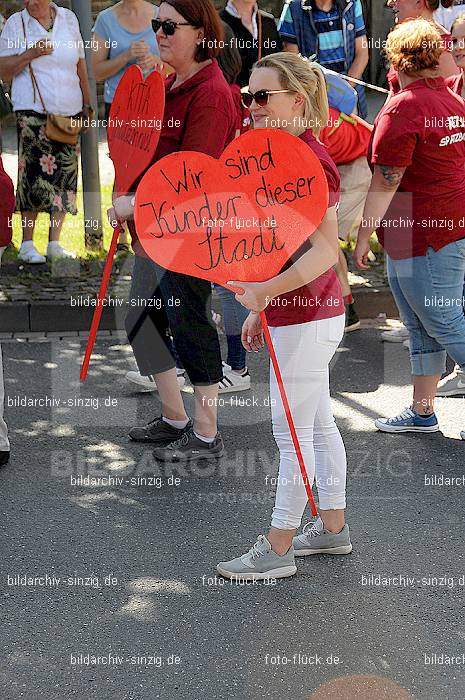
402,177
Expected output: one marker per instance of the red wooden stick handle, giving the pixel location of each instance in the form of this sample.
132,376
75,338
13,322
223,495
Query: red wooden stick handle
99,308
290,420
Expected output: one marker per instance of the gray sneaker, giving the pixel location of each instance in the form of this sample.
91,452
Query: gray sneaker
259,563
453,384
316,540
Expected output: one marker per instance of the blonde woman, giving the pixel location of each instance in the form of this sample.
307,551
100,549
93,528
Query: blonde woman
305,311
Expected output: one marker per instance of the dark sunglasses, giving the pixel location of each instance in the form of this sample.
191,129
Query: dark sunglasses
261,97
168,25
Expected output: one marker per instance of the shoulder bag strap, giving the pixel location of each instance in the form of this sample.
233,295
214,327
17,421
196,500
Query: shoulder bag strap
260,32
35,85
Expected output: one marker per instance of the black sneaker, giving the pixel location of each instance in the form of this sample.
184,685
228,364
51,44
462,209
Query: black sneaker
190,449
352,319
4,457
158,432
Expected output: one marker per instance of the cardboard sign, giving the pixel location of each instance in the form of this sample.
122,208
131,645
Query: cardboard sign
134,127
238,218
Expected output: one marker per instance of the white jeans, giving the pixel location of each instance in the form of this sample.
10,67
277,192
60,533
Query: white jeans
304,352
4,444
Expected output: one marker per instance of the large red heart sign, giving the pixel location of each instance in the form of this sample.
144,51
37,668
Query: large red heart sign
238,218
134,125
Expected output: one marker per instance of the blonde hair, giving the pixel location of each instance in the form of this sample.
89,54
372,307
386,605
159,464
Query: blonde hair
414,46
305,78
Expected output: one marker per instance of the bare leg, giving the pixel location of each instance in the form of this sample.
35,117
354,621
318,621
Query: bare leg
281,540
172,405
342,272
206,403
206,410
56,224
29,219
424,393
333,520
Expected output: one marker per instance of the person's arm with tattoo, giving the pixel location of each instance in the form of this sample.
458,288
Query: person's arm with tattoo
384,183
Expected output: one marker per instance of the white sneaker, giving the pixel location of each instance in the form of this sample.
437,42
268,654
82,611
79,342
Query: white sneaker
232,381
56,252
452,385
397,335
462,434
148,383
31,256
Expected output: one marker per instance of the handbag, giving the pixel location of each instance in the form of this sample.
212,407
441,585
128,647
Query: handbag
6,105
58,128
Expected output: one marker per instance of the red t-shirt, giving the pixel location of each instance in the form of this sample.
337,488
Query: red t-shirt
422,128
200,115
7,206
346,137
455,83
392,76
321,298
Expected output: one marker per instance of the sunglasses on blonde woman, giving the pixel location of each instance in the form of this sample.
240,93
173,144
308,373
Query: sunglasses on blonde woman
168,26
261,97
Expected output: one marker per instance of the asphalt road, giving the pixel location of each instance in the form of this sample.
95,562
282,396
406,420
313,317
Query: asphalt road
126,571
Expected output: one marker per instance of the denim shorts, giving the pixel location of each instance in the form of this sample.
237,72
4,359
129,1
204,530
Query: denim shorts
429,291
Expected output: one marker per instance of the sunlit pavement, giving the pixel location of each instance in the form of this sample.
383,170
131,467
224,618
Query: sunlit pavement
108,557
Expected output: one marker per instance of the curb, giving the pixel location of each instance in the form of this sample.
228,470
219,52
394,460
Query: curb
44,316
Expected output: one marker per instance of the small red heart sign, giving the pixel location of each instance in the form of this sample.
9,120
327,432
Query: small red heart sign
238,218
134,125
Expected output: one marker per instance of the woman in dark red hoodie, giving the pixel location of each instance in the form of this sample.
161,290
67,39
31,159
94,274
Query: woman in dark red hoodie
7,206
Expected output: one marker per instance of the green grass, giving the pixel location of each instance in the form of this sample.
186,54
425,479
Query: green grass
72,237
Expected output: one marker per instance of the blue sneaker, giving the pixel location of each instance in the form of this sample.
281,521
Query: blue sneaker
408,421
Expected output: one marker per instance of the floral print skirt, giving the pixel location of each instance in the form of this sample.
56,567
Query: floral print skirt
47,170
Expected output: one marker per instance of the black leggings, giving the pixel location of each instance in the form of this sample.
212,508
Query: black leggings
161,301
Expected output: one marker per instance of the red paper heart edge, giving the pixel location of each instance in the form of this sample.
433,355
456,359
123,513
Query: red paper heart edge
133,76
247,143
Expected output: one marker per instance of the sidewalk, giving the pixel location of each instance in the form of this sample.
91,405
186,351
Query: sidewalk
59,297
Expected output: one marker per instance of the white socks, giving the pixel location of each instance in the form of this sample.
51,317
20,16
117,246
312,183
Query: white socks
204,439
27,245
179,424
53,246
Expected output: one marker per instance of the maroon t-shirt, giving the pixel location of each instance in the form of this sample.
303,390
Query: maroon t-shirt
200,115
422,128
321,298
455,83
